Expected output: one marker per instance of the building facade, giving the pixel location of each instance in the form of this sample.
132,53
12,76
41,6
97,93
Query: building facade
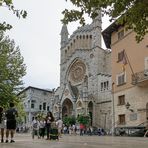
129,75
85,76
35,101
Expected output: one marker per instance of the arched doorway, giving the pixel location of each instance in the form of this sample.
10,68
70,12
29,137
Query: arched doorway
67,108
90,111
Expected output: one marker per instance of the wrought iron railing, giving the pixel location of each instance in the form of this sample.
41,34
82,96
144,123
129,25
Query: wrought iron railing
139,77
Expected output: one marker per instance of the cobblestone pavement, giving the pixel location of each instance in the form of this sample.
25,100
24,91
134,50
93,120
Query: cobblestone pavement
25,141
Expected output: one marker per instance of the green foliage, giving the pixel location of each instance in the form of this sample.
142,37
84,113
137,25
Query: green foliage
40,115
83,119
69,120
19,13
21,112
132,13
12,69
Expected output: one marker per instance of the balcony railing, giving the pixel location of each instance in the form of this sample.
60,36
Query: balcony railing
140,78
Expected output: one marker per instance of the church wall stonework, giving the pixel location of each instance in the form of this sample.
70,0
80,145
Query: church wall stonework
85,80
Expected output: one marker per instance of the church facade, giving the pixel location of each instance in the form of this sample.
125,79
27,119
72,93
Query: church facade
85,76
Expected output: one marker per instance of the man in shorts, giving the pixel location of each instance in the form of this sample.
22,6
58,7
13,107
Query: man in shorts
11,115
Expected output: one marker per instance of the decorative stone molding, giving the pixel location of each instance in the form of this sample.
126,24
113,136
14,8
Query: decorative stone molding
77,72
66,92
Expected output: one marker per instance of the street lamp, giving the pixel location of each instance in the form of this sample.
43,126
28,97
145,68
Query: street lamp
127,105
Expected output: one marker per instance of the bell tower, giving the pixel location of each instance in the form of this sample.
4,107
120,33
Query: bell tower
64,35
97,27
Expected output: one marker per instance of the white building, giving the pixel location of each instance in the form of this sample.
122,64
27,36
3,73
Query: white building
36,100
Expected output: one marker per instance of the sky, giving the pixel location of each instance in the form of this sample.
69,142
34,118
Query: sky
38,37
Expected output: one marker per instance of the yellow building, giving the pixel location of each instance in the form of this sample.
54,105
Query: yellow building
129,76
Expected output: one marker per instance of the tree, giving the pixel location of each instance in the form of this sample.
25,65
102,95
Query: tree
21,112
83,119
19,13
132,13
12,69
69,120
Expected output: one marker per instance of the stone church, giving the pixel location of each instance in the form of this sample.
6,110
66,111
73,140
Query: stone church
85,76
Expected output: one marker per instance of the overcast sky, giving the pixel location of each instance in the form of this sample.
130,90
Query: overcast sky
38,37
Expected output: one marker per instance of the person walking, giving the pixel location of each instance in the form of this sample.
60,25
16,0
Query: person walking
2,124
59,124
81,129
11,115
74,129
49,119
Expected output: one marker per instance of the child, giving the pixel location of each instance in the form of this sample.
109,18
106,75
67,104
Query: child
2,124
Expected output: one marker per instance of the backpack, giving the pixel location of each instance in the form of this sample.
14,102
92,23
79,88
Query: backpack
10,114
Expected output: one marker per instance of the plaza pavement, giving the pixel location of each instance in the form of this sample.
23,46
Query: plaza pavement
25,141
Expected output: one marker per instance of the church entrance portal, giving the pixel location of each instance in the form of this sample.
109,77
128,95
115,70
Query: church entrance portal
67,108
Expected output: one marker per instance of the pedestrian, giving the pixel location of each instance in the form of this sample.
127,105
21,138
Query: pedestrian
65,129
35,127
74,129
49,119
81,129
70,130
11,115
2,124
42,128
59,124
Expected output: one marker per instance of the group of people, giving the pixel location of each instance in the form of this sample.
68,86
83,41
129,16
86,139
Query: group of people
39,126
8,122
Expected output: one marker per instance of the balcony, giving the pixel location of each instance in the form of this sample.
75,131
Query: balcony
140,78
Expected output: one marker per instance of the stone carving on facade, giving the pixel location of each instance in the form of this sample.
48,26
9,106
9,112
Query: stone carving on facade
77,72
75,91
66,92
91,55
